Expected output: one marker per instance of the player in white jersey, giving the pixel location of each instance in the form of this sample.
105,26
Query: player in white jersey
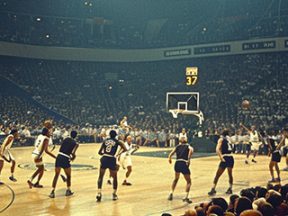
49,125
183,134
255,142
124,128
125,159
6,155
41,147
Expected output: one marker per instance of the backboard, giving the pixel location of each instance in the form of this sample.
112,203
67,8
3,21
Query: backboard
182,102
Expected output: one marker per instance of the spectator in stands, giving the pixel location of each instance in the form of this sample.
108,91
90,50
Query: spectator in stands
232,201
242,204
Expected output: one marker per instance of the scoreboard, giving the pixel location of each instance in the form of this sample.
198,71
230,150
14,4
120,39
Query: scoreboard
191,76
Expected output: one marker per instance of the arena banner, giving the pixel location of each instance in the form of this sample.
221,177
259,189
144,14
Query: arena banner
177,52
259,45
212,49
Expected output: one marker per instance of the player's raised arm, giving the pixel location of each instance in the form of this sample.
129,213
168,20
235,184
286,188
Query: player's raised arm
243,126
135,148
282,142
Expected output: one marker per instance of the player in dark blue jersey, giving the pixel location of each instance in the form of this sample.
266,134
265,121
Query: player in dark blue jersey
108,151
224,150
183,155
275,155
67,153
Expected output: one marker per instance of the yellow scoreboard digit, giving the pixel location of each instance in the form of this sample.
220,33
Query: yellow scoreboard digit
191,75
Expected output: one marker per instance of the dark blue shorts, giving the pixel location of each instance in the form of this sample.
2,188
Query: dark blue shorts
229,162
182,167
62,161
108,163
276,156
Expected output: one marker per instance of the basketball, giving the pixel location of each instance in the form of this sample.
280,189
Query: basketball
245,104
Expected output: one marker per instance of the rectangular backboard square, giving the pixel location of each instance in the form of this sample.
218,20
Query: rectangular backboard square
188,101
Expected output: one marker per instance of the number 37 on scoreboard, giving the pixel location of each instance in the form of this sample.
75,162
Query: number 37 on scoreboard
191,75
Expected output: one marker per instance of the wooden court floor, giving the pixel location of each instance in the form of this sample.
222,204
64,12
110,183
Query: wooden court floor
151,179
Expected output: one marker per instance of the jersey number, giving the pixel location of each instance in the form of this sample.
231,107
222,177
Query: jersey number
109,145
108,148
38,143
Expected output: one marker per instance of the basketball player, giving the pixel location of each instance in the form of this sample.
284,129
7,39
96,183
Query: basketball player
125,159
49,125
285,149
41,147
108,151
255,142
224,150
275,158
183,134
183,155
6,155
66,153
283,140
124,128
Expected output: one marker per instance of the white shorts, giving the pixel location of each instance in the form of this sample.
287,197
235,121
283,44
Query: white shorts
7,156
255,146
125,160
34,157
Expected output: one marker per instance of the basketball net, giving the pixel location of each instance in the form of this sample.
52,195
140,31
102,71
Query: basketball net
175,113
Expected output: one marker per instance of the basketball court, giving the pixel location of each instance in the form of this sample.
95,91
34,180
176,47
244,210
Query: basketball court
151,178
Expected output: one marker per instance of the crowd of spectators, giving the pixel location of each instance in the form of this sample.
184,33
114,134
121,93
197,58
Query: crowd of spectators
203,23
257,201
99,94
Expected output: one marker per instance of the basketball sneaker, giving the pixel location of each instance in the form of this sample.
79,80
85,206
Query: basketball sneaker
212,192
272,180
109,182
52,194
229,191
37,185
170,197
30,184
187,200
254,161
69,193
99,197
114,197
126,183
13,179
